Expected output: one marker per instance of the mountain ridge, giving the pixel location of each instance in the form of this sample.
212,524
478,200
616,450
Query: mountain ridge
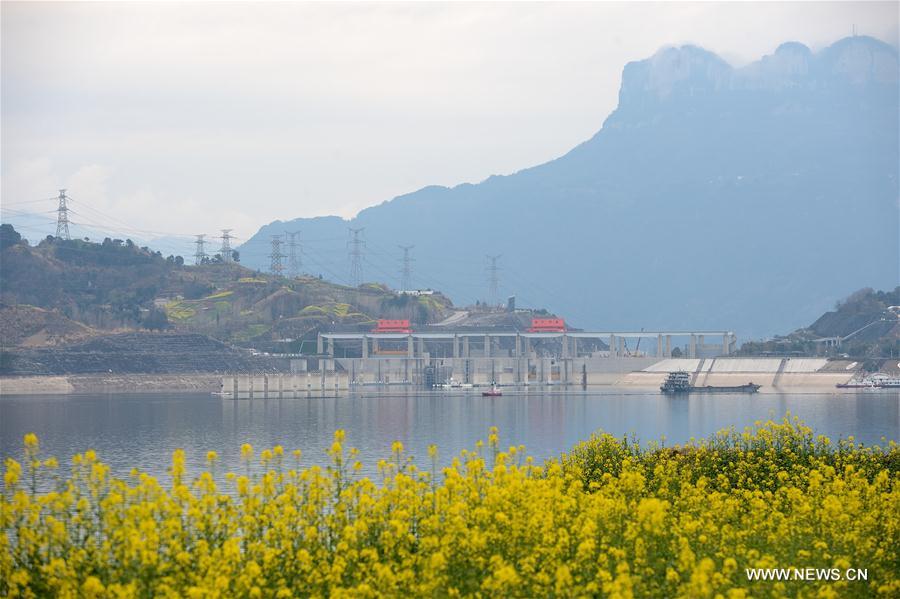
736,159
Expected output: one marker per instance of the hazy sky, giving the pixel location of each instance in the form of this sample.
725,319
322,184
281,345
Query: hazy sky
188,118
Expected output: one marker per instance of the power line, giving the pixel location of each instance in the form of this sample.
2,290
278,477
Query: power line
322,263
386,276
62,218
385,253
225,250
98,221
276,267
42,216
117,224
17,202
406,270
295,260
200,254
356,245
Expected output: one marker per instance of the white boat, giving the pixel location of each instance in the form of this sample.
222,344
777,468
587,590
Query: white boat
454,384
879,380
883,381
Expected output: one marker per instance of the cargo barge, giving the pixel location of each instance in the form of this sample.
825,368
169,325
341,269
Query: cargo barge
680,382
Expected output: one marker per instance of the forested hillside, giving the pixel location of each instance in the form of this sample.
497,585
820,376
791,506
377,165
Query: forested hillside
866,325
62,291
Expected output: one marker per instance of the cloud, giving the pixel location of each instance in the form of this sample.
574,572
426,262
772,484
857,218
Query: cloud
91,181
27,180
192,117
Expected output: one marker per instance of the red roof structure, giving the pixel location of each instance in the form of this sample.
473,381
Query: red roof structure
547,325
386,325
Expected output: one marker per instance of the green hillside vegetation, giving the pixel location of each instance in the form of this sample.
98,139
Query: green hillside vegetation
867,325
115,285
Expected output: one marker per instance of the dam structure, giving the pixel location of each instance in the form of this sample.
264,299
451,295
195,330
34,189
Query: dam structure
547,354
539,356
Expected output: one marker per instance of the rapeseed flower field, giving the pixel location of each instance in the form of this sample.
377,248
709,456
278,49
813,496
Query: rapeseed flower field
612,518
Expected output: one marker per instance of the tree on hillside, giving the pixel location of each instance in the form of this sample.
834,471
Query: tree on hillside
8,236
156,319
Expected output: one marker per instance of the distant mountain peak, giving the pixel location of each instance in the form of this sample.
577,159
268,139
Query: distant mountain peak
862,59
789,66
673,70
684,75
745,197
794,48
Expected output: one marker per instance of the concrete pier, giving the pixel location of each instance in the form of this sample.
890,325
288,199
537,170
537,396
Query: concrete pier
263,386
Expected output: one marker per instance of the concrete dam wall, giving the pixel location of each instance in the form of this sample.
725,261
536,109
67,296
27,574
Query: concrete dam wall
772,373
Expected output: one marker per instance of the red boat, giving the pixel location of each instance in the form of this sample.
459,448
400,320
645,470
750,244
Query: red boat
492,392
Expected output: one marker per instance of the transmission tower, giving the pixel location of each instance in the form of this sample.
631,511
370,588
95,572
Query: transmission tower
356,245
276,267
406,270
295,252
200,253
493,278
225,250
62,216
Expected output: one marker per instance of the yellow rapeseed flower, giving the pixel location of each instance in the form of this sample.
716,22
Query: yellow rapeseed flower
246,451
609,518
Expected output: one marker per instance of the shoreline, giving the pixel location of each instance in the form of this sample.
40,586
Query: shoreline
212,382
109,383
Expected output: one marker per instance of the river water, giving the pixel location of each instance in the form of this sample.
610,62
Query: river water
142,430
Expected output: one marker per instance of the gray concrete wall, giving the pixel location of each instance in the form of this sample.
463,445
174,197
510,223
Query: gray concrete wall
504,369
311,384
593,370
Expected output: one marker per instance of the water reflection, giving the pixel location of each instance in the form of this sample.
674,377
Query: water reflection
142,430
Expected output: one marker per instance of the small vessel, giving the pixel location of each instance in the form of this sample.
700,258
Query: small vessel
885,381
857,383
879,380
680,382
454,384
677,382
492,392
